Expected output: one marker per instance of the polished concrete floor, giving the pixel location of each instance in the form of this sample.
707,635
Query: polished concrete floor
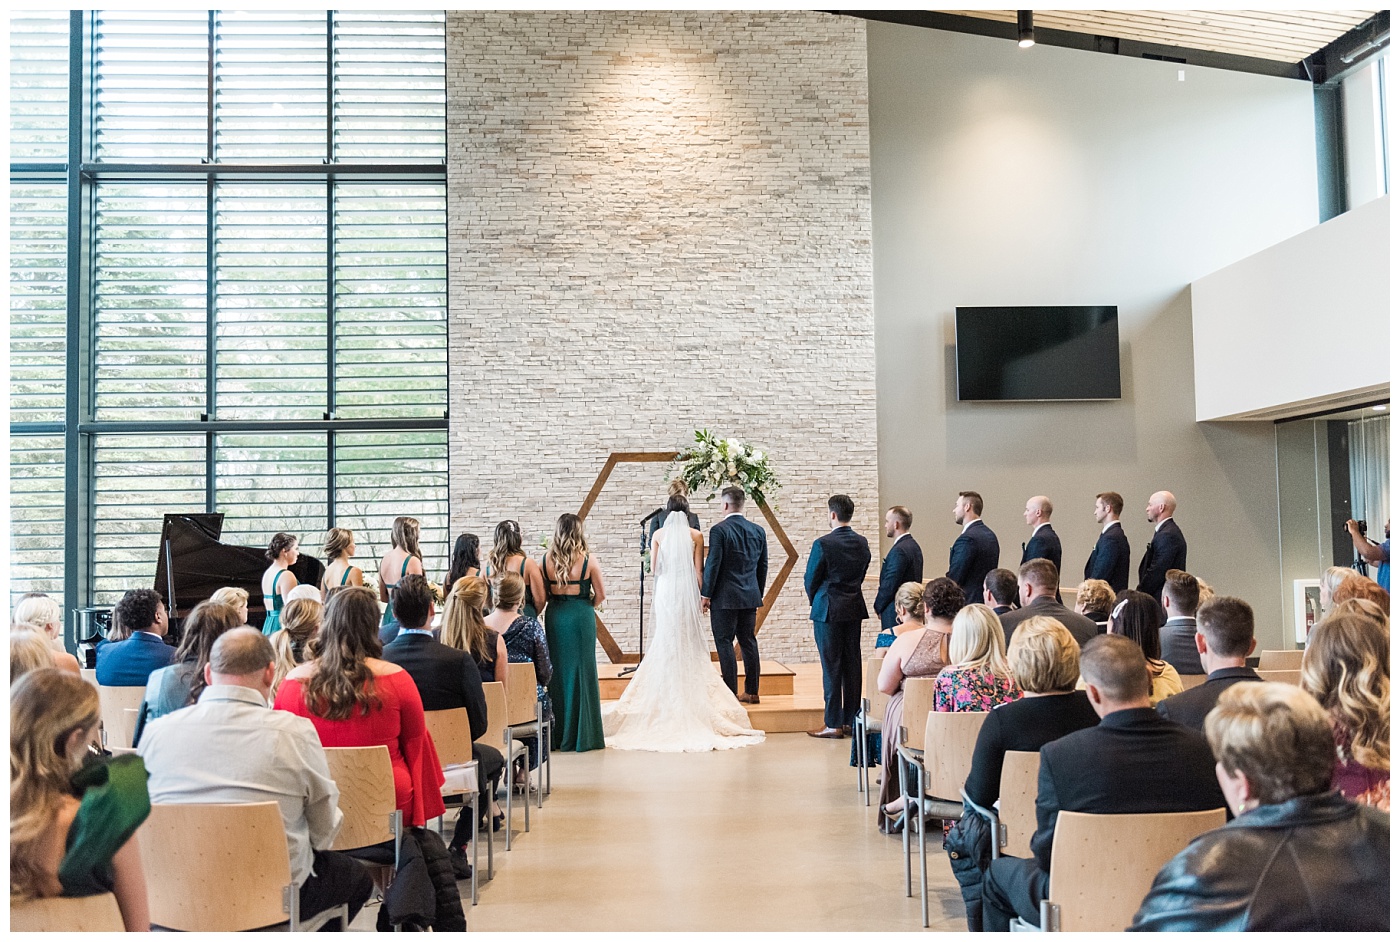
769,838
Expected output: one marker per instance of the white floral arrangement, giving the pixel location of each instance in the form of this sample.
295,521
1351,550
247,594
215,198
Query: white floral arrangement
713,463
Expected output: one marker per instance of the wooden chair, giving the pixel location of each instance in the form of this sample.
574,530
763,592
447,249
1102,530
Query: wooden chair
1192,680
1020,782
495,735
222,868
90,675
451,732
918,701
949,739
870,718
525,719
1130,847
67,914
1280,660
1281,677
119,708
368,804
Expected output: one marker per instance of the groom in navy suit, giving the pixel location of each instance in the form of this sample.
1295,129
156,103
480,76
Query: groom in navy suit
835,571
735,571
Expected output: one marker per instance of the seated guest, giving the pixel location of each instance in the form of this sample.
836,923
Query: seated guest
464,628
135,646
1181,595
238,598
354,698
1094,600
231,749
1138,617
999,591
1133,762
72,816
177,686
38,612
1332,578
1044,660
1363,608
922,652
1037,582
1347,668
447,679
1360,587
301,620
977,679
524,640
466,560
29,651
1298,856
908,614
1224,638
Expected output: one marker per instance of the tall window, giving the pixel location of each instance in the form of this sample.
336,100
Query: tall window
260,283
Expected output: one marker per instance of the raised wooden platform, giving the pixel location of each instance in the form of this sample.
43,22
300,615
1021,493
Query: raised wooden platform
790,697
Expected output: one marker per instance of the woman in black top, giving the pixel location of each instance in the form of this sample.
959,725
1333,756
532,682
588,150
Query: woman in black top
1044,659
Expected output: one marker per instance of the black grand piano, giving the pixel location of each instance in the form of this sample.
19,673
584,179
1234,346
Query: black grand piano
193,565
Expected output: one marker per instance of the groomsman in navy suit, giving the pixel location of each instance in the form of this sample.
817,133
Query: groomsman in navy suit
736,570
1110,559
1167,549
835,571
904,563
1044,542
976,552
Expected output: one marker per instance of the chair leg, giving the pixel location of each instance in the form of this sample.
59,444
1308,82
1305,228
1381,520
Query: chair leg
904,834
526,796
510,790
923,848
476,859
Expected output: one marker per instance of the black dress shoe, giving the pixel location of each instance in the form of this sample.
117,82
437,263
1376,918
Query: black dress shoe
460,866
847,730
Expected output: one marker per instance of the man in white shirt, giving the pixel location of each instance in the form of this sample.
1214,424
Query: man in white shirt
230,747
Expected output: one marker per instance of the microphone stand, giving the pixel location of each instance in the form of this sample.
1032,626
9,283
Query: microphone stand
641,591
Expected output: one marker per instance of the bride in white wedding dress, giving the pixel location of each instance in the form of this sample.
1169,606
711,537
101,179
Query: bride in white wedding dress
676,700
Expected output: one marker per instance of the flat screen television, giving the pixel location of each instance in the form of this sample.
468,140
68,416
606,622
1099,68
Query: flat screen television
1037,353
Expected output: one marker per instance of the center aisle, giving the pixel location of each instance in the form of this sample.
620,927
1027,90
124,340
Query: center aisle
772,837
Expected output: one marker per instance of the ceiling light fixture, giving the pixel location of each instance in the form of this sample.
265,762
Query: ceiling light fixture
1025,29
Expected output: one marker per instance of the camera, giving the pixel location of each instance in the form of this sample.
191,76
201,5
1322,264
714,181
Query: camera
1360,527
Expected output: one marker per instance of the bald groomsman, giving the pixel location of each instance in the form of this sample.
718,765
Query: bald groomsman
1110,559
1167,549
1044,542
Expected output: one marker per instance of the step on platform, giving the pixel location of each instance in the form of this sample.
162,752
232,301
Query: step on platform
789,700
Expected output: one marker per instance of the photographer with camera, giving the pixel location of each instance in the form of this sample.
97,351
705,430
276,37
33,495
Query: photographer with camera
1375,554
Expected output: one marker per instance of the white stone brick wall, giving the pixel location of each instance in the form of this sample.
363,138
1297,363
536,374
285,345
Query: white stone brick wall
659,221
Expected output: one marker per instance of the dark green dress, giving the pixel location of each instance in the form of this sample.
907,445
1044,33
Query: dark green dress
113,805
273,603
571,632
389,618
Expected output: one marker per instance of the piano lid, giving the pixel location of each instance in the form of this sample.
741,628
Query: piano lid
202,565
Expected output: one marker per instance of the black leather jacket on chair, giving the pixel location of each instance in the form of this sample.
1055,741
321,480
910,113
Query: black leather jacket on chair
1317,863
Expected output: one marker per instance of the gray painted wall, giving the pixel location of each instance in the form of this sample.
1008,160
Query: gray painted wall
1054,176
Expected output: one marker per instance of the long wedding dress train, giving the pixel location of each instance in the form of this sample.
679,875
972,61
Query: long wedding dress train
676,700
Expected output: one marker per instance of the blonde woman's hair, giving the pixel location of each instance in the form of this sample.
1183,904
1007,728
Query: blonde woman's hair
230,595
463,627
338,540
1347,668
1043,656
1334,576
37,612
567,547
1278,736
30,650
510,590
978,641
301,620
404,535
1094,595
46,707
910,597
1364,608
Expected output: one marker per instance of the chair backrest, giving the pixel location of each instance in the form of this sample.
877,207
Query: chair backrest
1280,660
114,702
452,734
878,701
948,742
89,674
521,695
1020,781
217,867
1102,865
1192,680
67,914
495,734
365,777
918,700
1281,677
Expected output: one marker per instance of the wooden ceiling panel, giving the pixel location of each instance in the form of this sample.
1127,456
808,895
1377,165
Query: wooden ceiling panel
1279,35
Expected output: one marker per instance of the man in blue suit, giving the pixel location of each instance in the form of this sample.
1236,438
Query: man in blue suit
1110,559
976,552
1167,549
904,563
141,625
735,571
835,571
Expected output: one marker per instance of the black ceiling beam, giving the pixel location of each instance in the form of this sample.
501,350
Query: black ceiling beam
1369,39
1086,42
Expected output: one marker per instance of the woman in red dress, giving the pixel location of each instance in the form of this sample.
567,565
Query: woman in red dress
355,699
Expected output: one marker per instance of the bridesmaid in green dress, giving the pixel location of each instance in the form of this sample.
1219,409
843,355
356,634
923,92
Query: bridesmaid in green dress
278,581
508,555
575,587
402,559
338,549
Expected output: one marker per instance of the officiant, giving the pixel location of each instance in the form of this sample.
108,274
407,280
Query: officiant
678,488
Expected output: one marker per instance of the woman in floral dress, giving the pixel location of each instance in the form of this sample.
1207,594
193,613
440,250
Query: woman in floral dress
978,678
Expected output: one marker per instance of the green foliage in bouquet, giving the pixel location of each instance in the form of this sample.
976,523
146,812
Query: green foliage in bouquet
713,462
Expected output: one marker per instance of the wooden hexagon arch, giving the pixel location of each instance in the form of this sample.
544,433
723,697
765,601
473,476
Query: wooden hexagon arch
605,638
